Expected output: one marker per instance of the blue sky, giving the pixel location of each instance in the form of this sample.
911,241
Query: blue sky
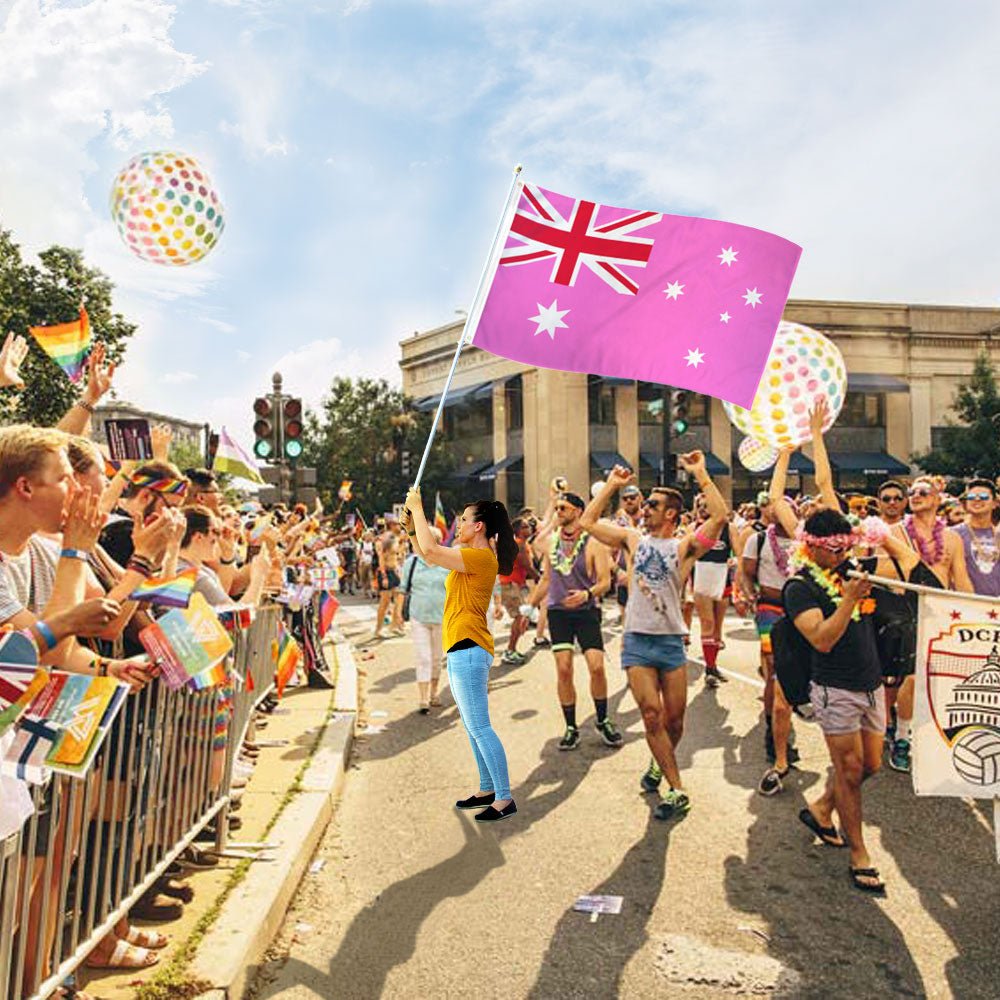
363,150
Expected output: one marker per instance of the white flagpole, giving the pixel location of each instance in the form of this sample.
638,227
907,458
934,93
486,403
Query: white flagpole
471,319
884,581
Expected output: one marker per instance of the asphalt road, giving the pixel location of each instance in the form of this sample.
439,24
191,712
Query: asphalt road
415,899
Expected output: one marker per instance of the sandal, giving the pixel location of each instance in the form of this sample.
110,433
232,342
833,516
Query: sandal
126,956
828,834
151,908
876,889
142,938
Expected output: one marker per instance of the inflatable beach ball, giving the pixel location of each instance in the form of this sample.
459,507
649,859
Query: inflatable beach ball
803,366
166,209
755,455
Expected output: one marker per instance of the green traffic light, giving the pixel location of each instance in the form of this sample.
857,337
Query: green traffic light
262,449
680,427
293,448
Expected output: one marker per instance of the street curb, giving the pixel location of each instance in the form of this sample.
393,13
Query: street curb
233,947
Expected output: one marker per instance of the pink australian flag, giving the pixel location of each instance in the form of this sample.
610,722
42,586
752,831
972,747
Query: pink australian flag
579,286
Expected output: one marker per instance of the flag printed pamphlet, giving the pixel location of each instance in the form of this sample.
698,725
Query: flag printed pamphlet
578,286
186,642
19,685
956,718
63,726
67,344
231,458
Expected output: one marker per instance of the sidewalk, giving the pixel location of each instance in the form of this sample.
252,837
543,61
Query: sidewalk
287,803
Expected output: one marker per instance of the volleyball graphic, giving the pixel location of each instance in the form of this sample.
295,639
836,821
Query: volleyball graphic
976,756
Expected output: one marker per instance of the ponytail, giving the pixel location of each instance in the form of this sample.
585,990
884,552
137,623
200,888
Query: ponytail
494,516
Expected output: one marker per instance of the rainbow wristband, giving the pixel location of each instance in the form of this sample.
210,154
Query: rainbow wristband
45,631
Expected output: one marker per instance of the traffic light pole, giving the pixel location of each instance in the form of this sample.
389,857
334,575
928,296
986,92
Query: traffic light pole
668,419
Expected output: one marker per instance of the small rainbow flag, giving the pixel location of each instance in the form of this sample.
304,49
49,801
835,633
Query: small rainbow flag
440,521
67,344
215,676
287,655
171,591
328,605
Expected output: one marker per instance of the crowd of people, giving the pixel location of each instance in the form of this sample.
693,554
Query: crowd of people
78,535
833,649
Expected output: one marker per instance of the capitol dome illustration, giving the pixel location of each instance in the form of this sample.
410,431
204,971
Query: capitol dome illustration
976,700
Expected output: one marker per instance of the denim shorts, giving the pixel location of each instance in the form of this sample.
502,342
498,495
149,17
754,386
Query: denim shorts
643,649
840,712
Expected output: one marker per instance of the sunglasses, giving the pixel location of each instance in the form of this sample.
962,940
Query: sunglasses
920,491
655,504
892,498
560,507
984,495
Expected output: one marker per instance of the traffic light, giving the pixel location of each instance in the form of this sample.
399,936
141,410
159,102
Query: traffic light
678,411
404,463
213,447
292,417
264,428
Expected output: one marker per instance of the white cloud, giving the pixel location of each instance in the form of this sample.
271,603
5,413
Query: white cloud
243,356
178,378
355,7
220,324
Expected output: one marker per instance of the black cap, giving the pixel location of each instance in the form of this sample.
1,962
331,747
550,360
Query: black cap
574,499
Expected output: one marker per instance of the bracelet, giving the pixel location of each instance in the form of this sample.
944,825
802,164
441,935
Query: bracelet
89,407
45,631
139,566
102,667
227,562
74,554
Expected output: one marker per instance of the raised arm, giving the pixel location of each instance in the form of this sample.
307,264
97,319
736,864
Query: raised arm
607,531
76,420
824,474
698,542
432,551
781,508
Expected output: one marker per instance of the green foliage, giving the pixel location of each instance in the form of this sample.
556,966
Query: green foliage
186,455
360,434
972,447
50,293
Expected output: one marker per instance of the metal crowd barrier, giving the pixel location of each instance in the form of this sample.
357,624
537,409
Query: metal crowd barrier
95,845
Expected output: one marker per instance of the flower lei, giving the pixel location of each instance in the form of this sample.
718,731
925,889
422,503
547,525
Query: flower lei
930,556
562,563
831,585
780,554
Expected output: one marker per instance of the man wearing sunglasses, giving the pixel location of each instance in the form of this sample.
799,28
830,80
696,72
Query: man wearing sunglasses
892,502
576,574
653,653
980,538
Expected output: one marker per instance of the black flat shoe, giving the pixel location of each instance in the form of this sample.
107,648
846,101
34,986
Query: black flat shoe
490,815
476,801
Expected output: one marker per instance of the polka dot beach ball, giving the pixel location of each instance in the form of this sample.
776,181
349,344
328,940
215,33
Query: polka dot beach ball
803,366
755,455
166,209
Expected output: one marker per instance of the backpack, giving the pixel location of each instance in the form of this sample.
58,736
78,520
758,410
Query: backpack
793,657
895,621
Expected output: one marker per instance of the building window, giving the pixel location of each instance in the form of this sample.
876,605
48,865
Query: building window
600,401
863,409
468,419
651,405
513,396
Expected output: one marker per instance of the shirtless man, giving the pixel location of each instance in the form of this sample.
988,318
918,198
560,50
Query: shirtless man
942,551
387,578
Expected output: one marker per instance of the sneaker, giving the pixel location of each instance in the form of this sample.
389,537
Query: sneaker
674,804
571,739
899,758
713,674
650,781
514,658
771,784
610,734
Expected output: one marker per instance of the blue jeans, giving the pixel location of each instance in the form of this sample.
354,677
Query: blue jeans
468,672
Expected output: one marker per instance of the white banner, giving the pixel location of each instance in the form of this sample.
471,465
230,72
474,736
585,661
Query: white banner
956,719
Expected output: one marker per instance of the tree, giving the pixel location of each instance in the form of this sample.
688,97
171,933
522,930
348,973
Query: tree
361,433
50,293
971,448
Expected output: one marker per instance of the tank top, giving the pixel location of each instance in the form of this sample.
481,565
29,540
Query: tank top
519,574
654,593
719,552
982,558
576,577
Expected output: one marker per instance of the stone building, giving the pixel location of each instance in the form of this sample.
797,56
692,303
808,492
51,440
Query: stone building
513,427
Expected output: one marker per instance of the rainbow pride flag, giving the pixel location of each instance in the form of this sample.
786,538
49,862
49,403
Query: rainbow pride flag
171,591
328,605
440,521
287,654
67,344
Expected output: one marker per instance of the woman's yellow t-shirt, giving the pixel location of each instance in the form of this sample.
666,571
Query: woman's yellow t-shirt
467,599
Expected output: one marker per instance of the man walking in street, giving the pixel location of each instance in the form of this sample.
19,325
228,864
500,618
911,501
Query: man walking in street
513,590
576,573
653,651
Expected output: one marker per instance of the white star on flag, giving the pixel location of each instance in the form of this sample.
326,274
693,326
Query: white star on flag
674,289
695,357
728,256
549,319
752,297
725,317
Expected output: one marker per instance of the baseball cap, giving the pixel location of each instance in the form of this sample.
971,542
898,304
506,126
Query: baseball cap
630,491
575,499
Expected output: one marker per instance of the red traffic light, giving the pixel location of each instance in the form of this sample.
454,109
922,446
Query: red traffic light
262,406
262,428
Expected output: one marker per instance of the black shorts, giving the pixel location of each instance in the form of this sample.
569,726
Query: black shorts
583,626
389,580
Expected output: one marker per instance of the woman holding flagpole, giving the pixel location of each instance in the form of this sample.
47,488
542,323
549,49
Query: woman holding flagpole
484,545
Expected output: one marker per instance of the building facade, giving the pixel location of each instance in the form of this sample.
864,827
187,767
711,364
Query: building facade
513,428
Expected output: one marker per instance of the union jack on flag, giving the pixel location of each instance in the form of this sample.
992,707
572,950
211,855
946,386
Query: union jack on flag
543,233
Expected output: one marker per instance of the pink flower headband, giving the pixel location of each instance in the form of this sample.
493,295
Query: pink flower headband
872,531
